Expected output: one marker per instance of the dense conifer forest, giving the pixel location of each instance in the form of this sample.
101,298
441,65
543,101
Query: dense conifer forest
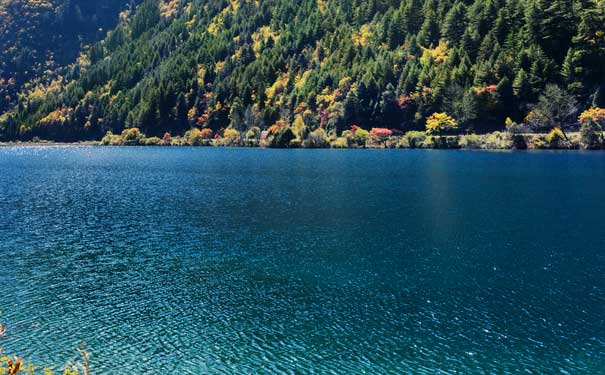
296,66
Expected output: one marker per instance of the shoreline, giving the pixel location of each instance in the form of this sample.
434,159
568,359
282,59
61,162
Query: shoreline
97,145
49,144
497,141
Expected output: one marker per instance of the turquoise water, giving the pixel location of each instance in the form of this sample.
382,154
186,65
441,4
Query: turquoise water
243,261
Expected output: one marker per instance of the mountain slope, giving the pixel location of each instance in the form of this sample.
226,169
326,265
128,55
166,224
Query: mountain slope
37,36
391,63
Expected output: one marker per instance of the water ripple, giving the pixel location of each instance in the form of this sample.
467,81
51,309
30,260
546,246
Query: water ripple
214,261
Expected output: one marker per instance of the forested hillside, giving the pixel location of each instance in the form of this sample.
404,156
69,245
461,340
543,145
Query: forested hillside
177,64
39,36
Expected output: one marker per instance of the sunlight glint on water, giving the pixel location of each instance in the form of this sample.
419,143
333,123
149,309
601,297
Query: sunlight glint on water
224,261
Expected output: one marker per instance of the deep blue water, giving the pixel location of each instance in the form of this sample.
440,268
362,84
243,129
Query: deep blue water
243,261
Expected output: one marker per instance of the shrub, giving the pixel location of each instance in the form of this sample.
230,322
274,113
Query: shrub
555,107
252,136
453,141
591,135
282,138
429,142
498,141
539,143
349,136
519,142
132,137
556,138
206,133
513,127
472,141
111,139
392,142
178,141
441,142
361,137
317,139
253,133
106,140
380,135
593,115
591,129
231,137
197,137
380,132
415,139
403,143
356,136
340,142
153,141
537,120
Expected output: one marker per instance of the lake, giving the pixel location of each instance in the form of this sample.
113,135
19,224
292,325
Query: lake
250,261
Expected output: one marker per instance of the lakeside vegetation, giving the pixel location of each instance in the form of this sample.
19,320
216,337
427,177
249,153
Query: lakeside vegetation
438,134
241,65
13,365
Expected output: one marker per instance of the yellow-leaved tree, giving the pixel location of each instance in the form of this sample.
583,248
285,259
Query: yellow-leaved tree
592,122
438,123
596,115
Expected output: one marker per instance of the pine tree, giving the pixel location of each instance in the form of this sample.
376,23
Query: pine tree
455,23
181,113
521,86
413,15
429,32
237,116
558,28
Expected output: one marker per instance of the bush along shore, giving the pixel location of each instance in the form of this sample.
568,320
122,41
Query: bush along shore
440,133
13,365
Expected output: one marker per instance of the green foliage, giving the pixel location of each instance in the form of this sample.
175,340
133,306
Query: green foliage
415,139
283,138
340,142
324,65
41,36
197,137
470,141
153,141
299,128
540,143
356,136
252,137
556,106
591,135
132,137
317,139
498,141
231,137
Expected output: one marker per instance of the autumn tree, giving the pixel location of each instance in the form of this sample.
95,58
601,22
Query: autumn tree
557,108
439,123
591,127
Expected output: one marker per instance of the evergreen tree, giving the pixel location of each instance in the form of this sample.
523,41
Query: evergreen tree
455,23
220,64
558,28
